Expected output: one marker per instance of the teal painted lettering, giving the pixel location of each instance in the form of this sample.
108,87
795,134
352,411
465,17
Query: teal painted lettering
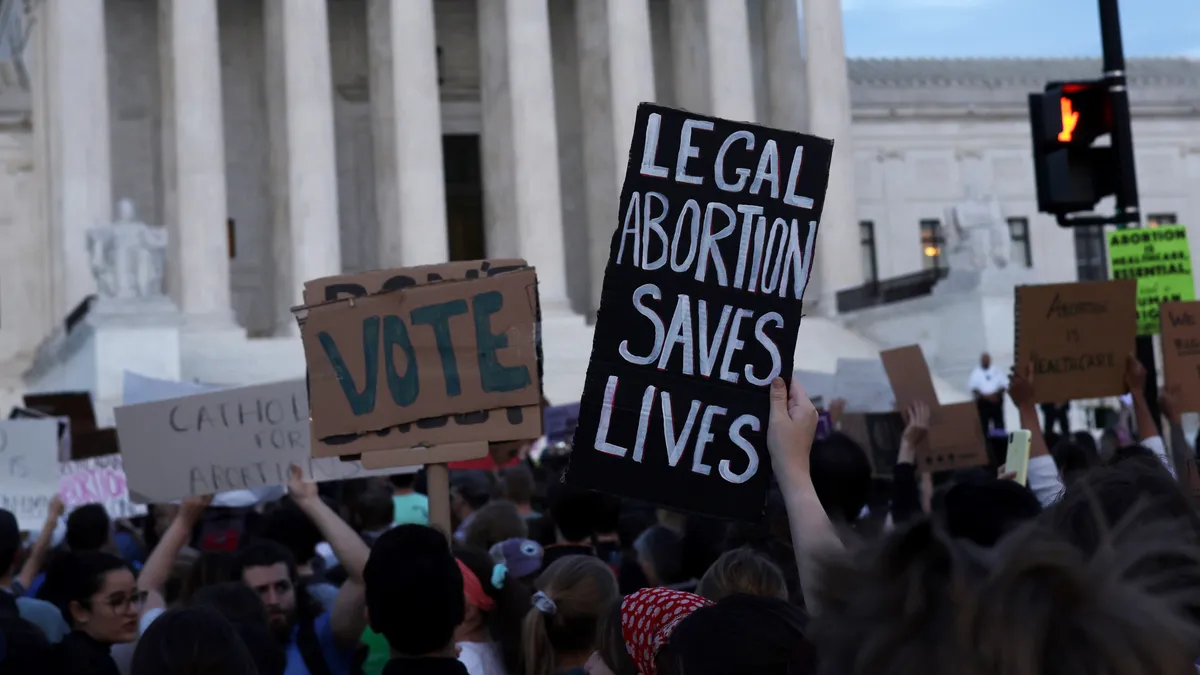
437,317
494,376
405,387
361,402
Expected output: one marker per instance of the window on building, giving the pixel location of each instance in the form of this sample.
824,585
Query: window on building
870,261
1156,219
231,237
1091,257
931,243
1018,233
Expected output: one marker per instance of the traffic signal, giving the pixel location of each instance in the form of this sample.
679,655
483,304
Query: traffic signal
1072,174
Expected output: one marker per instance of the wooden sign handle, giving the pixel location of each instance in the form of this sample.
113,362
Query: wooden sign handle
437,479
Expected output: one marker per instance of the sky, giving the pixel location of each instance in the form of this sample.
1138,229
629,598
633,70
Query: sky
1015,28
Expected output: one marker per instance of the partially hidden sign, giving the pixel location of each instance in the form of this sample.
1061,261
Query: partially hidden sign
28,469
1077,336
954,440
1181,351
1160,261
423,356
700,306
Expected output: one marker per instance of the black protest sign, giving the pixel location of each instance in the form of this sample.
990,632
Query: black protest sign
701,303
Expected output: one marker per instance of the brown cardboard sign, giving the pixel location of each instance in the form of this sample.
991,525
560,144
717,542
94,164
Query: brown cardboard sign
74,405
327,289
453,452
1077,337
450,347
879,434
954,441
1181,351
908,373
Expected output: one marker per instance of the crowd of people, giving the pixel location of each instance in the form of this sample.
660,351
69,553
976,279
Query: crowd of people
1092,568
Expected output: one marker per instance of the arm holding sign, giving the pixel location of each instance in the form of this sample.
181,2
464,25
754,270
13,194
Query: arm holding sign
1148,433
156,571
348,618
906,496
1043,478
37,554
793,423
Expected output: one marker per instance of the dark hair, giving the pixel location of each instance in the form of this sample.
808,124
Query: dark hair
741,635
264,553
404,481
517,482
192,641
25,648
475,487
211,567
10,541
841,475
608,514
374,509
580,588
289,526
242,607
88,528
983,511
497,521
573,511
414,590
743,571
663,550
610,642
76,577
511,600
1073,458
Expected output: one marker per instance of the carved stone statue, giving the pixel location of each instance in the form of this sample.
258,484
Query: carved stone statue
127,257
977,234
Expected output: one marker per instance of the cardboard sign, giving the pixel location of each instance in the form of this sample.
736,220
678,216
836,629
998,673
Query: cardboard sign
561,421
954,441
1181,351
699,311
1160,261
447,348
99,480
819,386
909,376
81,438
879,434
28,469
234,439
863,384
1077,336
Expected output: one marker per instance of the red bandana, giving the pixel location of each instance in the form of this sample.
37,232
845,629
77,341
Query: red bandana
647,619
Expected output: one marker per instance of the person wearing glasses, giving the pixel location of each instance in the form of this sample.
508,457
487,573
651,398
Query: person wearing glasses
98,596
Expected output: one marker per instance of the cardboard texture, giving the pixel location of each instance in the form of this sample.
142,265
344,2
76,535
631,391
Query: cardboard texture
909,376
421,352
879,435
453,452
955,440
1160,260
82,439
863,385
28,469
1077,336
1181,351
328,289
700,307
233,439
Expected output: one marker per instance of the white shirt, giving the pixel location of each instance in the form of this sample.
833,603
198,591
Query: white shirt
480,658
987,381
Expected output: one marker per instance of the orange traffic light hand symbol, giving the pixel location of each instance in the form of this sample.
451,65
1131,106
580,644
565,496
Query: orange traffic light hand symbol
1070,119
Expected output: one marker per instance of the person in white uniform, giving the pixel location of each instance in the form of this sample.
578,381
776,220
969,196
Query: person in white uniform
987,386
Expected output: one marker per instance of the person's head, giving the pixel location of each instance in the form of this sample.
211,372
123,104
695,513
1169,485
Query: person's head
608,515
985,360
24,649
497,521
743,571
88,528
1074,459
494,604
517,484
573,511
741,635
98,595
649,617
469,491
243,608
983,511
841,474
210,567
611,656
414,591
10,544
192,640
572,595
521,557
373,510
269,569
403,482
660,555
287,525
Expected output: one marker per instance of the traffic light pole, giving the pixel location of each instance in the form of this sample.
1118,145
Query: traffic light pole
1122,139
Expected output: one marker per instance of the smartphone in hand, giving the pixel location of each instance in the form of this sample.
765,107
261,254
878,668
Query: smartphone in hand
1017,459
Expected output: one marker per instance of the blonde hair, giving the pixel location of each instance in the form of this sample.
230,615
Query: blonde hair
743,571
573,595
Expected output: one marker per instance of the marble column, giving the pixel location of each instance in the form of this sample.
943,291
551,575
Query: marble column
406,119
839,263
730,73
305,234
79,175
616,73
523,202
689,56
194,160
786,102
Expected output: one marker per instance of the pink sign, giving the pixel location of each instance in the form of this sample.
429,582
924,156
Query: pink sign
99,480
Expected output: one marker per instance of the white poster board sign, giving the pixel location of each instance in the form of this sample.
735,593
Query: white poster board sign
818,386
864,385
98,480
233,439
28,469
